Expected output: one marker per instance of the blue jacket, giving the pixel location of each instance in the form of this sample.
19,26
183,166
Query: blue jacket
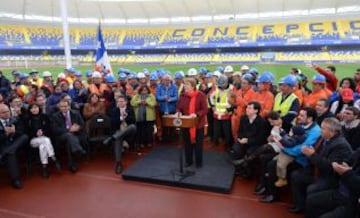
170,105
312,135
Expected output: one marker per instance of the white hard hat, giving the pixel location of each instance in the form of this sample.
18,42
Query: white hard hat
96,74
217,73
244,67
46,74
192,72
141,75
61,75
228,69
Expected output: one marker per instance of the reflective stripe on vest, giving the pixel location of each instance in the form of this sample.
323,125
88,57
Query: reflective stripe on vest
222,105
284,106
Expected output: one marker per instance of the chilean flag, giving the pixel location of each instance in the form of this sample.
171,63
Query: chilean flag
102,59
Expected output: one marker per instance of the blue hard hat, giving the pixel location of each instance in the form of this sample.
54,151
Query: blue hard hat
220,69
202,70
89,73
179,75
153,76
122,76
126,71
109,78
249,77
70,70
23,75
120,70
209,75
264,78
253,71
288,80
146,71
132,75
77,73
161,73
318,78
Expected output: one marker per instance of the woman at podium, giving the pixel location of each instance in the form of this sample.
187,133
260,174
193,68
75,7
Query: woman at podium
192,103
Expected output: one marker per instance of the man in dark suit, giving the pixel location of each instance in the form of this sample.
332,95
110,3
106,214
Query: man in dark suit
12,137
68,127
124,129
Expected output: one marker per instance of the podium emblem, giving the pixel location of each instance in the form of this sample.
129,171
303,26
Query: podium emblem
177,122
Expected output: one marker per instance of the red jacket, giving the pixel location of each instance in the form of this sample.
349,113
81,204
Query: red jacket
201,108
331,79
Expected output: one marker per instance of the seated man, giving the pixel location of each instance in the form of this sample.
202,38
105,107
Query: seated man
342,201
123,124
306,118
12,137
68,127
251,135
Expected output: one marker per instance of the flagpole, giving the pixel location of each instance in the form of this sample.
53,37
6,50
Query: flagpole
65,24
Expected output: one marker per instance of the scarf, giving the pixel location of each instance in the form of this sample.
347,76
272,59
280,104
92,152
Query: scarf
142,109
192,104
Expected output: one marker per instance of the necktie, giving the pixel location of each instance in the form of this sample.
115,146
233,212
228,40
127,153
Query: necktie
68,120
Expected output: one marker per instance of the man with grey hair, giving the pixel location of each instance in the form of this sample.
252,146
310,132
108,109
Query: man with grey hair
334,148
167,96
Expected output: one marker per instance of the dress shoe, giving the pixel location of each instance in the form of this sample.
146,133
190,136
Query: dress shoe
238,162
260,191
73,168
188,164
45,172
107,140
57,165
295,209
268,199
118,168
17,184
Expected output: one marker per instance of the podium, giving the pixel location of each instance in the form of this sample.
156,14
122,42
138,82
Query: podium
180,122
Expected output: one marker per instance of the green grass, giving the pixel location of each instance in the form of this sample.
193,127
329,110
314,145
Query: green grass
279,70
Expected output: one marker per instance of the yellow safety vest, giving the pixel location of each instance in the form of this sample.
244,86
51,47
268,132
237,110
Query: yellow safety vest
283,107
38,82
222,105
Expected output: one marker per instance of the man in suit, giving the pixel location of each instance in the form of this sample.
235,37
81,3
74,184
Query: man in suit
12,137
68,127
124,129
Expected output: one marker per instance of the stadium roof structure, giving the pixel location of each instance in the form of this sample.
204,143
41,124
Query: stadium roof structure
175,12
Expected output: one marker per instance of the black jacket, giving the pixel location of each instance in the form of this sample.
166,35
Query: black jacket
351,180
337,150
115,117
323,116
255,131
8,140
58,124
37,122
352,136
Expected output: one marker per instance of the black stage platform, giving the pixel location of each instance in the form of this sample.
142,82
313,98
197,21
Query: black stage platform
161,166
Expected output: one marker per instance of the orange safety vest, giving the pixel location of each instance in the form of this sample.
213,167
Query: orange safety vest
266,100
94,89
314,97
